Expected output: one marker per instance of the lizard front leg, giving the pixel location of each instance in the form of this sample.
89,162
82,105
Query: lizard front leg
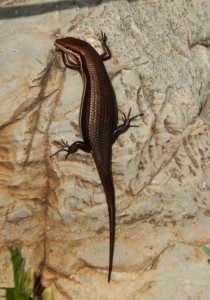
68,63
78,145
124,127
107,53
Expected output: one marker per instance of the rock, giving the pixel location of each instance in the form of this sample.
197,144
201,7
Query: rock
55,209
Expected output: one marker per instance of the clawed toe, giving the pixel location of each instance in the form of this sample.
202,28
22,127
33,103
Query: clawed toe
64,147
133,125
127,119
136,116
103,38
56,152
58,143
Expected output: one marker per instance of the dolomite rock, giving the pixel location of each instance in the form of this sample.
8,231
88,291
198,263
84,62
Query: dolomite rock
55,210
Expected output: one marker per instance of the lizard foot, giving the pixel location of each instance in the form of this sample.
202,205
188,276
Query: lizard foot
127,120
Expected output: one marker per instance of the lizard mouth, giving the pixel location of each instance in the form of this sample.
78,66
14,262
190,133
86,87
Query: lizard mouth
59,47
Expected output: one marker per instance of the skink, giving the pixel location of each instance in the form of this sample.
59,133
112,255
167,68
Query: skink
98,116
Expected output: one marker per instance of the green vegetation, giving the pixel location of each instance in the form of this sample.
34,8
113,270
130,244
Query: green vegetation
27,285
206,250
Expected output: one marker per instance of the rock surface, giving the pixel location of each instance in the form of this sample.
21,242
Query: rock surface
55,210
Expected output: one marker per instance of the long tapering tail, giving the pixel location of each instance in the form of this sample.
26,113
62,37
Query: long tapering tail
107,182
111,208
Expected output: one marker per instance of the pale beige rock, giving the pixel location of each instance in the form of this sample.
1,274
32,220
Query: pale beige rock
55,210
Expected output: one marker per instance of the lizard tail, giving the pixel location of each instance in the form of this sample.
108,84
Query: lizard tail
107,182
111,208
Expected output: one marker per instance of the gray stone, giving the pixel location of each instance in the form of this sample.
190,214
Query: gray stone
55,209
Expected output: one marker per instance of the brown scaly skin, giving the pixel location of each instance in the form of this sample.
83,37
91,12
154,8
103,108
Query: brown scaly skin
98,116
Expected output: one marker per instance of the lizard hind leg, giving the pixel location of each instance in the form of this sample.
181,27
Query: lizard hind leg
125,126
78,145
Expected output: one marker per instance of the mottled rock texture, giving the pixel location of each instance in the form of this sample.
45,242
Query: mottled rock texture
55,210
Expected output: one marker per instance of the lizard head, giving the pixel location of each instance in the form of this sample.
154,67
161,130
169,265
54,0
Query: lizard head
71,46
